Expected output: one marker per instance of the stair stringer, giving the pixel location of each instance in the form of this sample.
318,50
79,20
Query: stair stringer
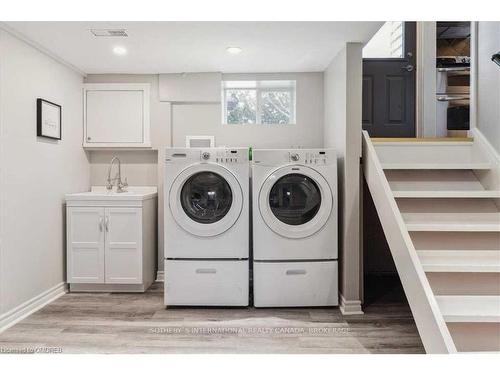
426,313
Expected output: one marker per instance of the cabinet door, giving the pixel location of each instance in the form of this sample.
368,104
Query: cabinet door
123,255
85,244
114,116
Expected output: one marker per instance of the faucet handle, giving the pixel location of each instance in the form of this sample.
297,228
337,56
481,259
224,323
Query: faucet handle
125,183
109,184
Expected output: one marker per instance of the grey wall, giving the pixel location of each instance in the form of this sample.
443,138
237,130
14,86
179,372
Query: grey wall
35,172
205,119
171,122
139,166
488,82
342,131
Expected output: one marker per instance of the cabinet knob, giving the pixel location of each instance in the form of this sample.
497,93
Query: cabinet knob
88,138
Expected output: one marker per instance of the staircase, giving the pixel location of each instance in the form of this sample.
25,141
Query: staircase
438,202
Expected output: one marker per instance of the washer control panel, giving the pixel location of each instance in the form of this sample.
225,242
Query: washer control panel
221,155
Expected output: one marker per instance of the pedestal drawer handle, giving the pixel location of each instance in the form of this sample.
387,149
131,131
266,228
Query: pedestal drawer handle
296,272
206,270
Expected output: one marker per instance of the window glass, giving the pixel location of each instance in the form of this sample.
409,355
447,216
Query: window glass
276,107
295,199
241,106
388,42
259,102
206,197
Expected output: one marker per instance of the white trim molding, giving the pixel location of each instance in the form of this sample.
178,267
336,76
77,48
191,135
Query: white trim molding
425,80
160,276
27,308
473,75
350,307
39,47
485,145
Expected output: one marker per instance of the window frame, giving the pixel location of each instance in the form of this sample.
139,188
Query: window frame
260,88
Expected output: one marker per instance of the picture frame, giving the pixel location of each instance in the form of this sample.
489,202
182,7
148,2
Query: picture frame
48,119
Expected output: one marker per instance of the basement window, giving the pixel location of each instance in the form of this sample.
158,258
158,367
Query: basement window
259,102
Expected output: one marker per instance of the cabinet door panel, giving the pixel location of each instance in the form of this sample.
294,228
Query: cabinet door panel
85,244
115,116
123,259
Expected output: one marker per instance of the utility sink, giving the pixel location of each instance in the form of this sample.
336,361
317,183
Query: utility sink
100,193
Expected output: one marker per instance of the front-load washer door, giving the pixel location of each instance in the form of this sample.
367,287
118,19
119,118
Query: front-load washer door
295,201
206,199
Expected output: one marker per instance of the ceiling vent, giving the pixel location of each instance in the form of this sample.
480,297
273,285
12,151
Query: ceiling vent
109,32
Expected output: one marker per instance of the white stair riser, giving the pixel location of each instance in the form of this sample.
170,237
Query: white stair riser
456,240
459,283
460,260
472,337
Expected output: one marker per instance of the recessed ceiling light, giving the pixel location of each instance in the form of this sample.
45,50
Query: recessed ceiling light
233,50
119,50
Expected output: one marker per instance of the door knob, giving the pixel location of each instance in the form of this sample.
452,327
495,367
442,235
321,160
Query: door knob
408,68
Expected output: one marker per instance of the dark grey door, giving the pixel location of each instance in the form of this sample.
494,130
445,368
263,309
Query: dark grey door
389,89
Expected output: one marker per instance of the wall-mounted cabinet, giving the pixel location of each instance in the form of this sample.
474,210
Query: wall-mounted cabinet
116,115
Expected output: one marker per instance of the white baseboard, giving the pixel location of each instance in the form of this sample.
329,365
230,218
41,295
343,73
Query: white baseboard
160,276
350,307
27,308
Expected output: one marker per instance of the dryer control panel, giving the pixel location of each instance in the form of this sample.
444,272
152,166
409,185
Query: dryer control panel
312,157
316,157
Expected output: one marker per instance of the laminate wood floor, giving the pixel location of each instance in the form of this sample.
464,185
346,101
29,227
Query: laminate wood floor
139,323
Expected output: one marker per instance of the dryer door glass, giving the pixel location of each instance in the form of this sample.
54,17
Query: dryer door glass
295,199
206,197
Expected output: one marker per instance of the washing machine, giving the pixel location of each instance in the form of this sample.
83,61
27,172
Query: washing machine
295,227
206,226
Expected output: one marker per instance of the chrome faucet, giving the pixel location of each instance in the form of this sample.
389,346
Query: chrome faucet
120,185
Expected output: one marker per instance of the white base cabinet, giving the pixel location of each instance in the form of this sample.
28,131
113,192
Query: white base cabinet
111,245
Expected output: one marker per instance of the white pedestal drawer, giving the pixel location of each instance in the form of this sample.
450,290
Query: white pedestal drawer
206,282
295,283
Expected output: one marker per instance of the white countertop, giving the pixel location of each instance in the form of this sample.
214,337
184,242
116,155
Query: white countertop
101,193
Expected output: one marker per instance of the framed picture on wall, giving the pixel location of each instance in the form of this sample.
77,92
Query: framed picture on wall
48,119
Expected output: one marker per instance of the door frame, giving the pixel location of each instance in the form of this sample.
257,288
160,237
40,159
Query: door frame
411,60
425,62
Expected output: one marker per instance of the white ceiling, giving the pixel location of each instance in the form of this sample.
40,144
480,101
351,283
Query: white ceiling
175,47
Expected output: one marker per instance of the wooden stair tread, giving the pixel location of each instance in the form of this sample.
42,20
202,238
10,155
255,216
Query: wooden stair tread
472,309
460,260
